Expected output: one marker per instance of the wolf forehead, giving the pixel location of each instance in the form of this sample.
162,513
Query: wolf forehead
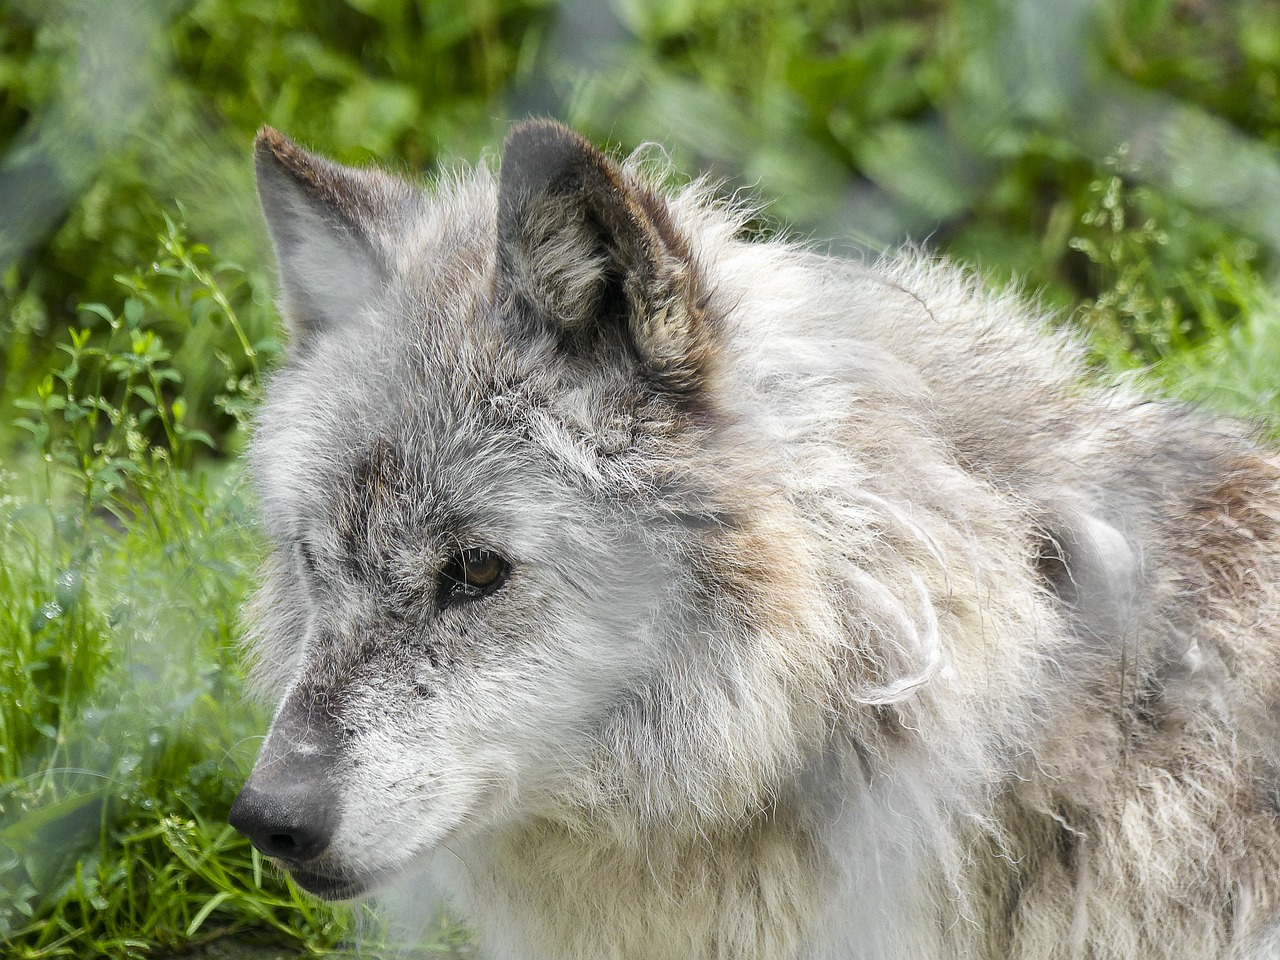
445,385
426,440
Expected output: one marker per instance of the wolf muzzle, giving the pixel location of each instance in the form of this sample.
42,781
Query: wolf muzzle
288,806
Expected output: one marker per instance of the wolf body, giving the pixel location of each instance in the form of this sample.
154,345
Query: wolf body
668,595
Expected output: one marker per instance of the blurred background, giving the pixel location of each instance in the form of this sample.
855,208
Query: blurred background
1119,159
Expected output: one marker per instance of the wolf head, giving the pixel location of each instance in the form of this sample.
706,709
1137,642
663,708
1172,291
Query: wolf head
511,575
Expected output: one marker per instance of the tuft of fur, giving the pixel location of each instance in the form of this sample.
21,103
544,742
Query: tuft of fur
846,616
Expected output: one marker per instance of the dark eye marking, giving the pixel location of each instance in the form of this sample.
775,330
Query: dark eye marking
471,574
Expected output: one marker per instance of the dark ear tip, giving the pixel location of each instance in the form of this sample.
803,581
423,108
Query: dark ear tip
539,130
539,152
270,142
272,150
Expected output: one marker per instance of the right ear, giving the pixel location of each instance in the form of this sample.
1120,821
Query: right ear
596,254
330,226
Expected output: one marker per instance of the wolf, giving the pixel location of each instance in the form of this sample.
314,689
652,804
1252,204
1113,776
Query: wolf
663,593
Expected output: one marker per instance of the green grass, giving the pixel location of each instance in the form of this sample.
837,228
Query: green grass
136,326
122,712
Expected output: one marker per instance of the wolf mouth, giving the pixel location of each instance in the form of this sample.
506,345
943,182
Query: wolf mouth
336,885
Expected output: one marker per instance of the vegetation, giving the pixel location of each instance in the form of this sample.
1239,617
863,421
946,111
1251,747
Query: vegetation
1119,160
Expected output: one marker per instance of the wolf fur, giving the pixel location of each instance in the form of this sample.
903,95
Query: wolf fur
846,614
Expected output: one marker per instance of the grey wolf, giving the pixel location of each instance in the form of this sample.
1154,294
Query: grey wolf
665,595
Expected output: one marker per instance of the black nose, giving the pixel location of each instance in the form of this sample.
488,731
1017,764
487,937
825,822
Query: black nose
292,822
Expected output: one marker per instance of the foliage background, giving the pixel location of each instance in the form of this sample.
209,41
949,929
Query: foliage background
1117,158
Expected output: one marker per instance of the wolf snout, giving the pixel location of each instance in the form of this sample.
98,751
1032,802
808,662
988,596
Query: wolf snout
293,822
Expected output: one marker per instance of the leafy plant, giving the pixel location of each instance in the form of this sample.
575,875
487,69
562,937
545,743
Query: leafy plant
122,715
1168,279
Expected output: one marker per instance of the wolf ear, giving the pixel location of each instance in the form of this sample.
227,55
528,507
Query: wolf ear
595,254
327,224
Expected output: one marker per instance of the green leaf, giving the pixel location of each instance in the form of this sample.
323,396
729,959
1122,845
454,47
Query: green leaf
197,436
98,310
210,905
134,310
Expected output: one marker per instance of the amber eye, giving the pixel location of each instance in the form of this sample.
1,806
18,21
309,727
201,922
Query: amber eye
472,574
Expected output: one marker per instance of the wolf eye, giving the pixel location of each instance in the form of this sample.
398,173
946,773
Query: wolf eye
472,574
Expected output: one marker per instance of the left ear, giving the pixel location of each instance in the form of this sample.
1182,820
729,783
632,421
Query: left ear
329,226
591,251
